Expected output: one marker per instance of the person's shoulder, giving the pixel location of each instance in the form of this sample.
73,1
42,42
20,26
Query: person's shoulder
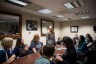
40,42
16,48
42,60
32,42
2,51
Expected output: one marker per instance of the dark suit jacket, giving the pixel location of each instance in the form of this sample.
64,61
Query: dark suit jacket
70,56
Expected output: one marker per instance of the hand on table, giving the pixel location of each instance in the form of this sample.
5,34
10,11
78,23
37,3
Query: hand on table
12,58
59,58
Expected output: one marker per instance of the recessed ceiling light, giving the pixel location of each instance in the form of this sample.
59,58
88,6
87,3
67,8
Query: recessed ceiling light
45,11
19,2
60,16
85,17
66,19
68,5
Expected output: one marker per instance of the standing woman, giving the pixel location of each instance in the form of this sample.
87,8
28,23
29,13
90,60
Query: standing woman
50,36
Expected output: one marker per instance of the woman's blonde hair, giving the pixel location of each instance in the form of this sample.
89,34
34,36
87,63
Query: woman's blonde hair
7,42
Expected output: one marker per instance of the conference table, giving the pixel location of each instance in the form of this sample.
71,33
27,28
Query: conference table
31,58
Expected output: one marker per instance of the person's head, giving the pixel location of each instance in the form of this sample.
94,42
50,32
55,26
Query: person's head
48,50
81,38
68,42
7,42
76,35
36,38
26,47
19,41
59,38
50,28
89,38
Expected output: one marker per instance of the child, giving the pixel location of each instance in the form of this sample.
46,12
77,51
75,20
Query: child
48,51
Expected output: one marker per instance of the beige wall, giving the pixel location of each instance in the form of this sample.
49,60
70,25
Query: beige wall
84,26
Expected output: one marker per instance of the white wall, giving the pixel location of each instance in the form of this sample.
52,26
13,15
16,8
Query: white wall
84,26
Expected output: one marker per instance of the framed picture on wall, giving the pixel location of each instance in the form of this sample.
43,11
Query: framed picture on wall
31,25
74,29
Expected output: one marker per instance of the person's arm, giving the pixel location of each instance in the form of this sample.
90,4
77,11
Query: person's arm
12,58
42,44
54,39
47,38
34,50
16,51
59,58
81,47
33,47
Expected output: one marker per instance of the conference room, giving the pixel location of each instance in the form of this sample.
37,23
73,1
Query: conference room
47,32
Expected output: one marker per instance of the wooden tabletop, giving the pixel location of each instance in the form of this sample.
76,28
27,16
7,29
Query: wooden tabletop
30,59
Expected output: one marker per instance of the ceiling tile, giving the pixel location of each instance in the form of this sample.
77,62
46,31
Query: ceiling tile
64,12
34,7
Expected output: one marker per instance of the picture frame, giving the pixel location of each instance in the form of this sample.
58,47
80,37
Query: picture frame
44,26
74,29
31,25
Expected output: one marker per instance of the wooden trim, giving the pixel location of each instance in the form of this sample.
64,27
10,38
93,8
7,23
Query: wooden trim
20,23
42,34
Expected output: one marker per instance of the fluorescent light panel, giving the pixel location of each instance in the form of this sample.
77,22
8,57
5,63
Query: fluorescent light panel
68,5
85,17
81,13
45,11
19,2
60,16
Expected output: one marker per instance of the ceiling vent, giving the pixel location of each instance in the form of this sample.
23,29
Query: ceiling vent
75,4
81,13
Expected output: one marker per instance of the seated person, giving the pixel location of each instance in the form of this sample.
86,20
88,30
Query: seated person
82,47
45,58
91,55
89,41
20,48
59,41
36,45
76,41
70,55
6,56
